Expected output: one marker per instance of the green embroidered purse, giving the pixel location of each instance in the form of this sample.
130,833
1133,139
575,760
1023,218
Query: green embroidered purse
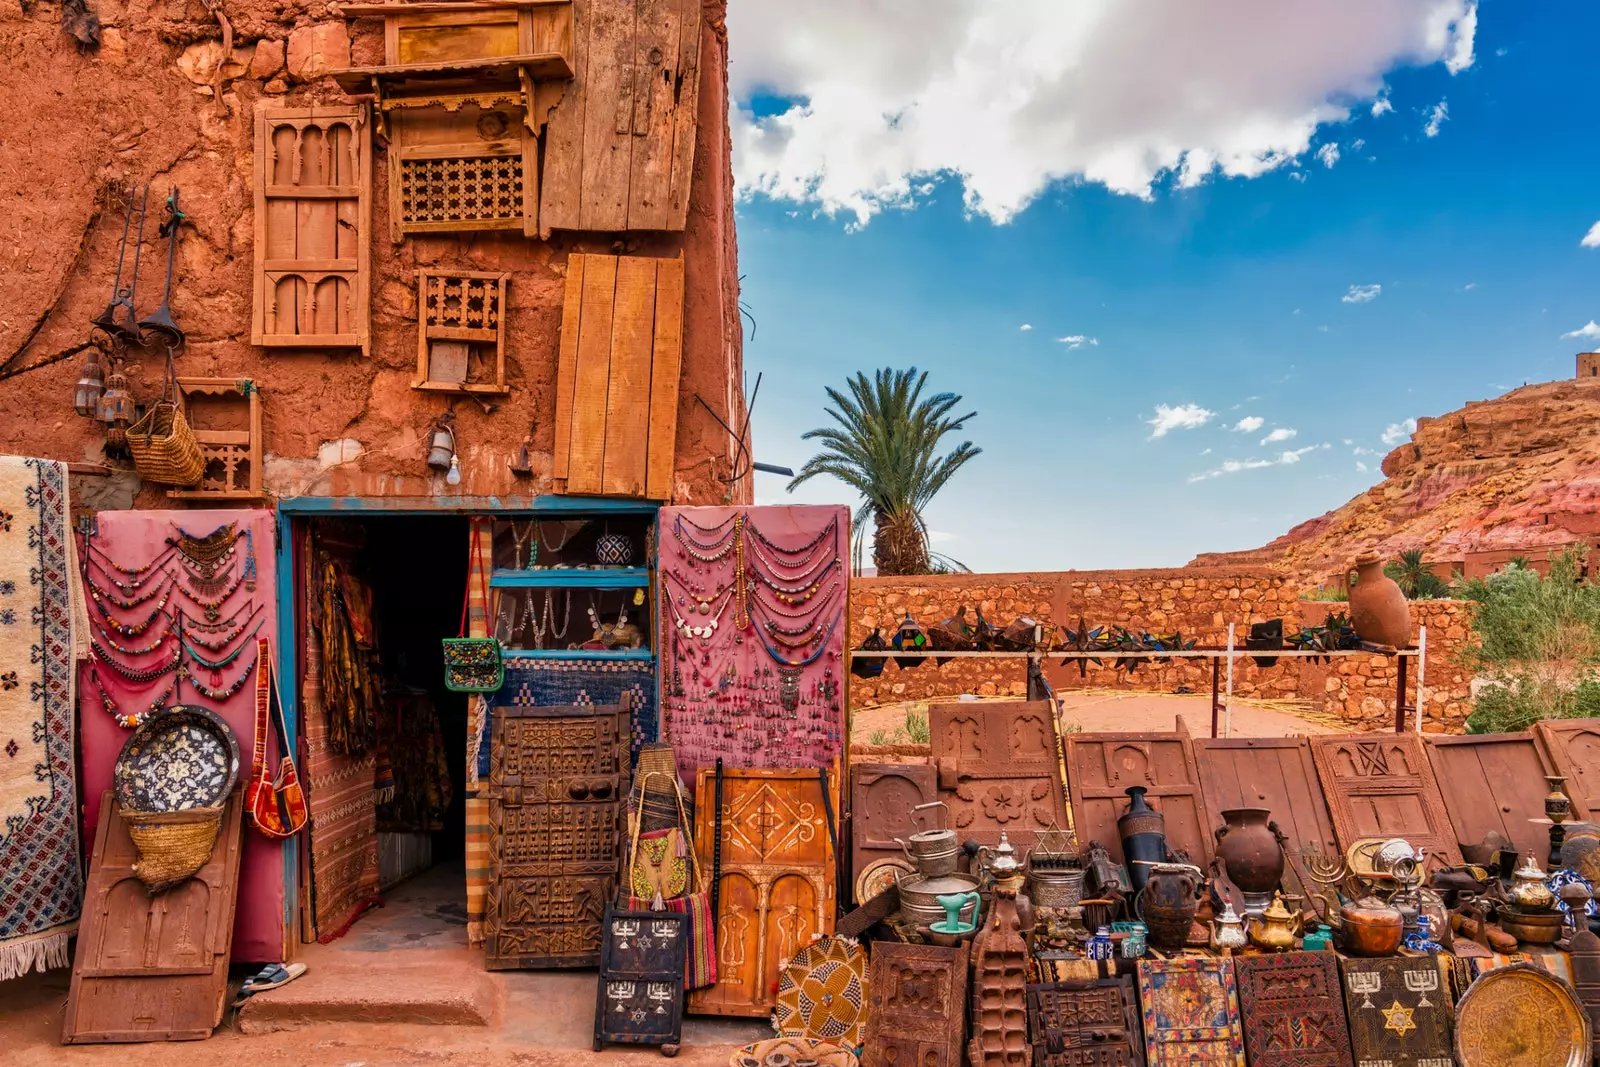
473,664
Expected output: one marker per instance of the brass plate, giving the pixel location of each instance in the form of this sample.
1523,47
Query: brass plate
1521,1016
879,875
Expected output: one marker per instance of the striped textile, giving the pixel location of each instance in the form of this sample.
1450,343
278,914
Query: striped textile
480,548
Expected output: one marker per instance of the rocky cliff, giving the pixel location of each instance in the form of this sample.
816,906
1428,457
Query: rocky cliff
1514,474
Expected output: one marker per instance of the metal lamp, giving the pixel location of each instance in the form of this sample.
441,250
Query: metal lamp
442,447
117,409
91,384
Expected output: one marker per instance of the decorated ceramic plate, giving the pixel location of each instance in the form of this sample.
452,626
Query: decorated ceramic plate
822,992
183,757
1521,1016
786,1051
879,875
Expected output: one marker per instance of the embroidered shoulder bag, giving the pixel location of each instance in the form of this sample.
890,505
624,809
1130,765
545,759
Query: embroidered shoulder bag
277,806
473,664
700,961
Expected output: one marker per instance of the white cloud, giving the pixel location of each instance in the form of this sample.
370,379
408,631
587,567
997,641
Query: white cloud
1282,433
1365,452
1397,432
1381,106
1010,98
941,537
1249,424
1437,116
1181,417
1592,238
1234,466
1358,144
1329,154
1361,294
1360,466
1205,452
1473,285
1077,340
1589,331
1025,327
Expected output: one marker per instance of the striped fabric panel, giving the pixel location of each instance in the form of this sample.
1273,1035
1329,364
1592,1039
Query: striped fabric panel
480,547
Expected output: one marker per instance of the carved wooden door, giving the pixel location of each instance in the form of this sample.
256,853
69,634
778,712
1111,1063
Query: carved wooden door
1191,1012
1400,1012
1382,785
1292,1013
1493,782
777,879
1574,748
1101,768
998,769
152,968
556,779
313,180
1085,1024
882,802
919,1005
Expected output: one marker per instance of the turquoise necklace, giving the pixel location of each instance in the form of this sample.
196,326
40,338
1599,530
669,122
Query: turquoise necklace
229,658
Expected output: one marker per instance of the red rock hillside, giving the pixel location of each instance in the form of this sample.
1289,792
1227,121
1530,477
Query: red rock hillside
1510,476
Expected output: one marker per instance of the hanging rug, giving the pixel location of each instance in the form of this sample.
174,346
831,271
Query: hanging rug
822,992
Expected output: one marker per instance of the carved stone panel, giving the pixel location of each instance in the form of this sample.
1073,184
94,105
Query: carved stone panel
1400,1012
998,768
919,1005
1085,1024
882,797
1382,785
999,992
1101,768
556,779
1493,782
1574,748
777,879
1292,1012
1191,1012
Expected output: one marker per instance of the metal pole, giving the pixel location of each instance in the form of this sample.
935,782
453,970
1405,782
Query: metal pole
1227,730
1400,697
1422,668
1216,701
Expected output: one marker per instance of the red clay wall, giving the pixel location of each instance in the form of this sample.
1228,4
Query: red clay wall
1199,602
140,108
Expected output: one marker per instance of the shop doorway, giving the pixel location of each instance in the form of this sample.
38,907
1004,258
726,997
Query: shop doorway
384,740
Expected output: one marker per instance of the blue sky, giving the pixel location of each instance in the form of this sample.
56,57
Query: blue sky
1413,274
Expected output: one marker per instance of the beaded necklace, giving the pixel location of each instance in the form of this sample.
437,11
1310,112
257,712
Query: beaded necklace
213,608
811,617
686,589
550,616
126,588
798,578
568,535
247,609
127,629
124,720
166,635
706,629
136,674
809,550
520,541
821,648
715,552
796,594
249,559
741,593
215,644
219,694
107,564
216,666
207,552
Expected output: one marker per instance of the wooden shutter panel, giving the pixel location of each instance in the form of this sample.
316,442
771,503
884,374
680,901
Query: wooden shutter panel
313,178
617,376
619,148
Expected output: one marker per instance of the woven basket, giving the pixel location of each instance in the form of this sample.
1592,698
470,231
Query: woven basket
164,449
172,845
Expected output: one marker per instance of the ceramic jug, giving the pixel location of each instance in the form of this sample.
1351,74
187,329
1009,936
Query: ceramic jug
1167,903
1252,847
1379,611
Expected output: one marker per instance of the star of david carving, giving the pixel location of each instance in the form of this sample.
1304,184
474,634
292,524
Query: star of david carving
1371,760
1396,1017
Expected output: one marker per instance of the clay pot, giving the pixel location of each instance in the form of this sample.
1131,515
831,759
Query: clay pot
1371,928
1379,611
1167,903
1252,848
1143,831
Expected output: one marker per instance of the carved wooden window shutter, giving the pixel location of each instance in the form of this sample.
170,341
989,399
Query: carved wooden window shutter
313,176
617,377
619,149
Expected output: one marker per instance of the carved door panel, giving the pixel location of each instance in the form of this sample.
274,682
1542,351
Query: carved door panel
313,180
152,968
882,797
1493,782
1292,1012
1400,1012
1101,768
1085,1024
776,878
1191,1012
919,1005
997,767
556,779
1573,746
1381,785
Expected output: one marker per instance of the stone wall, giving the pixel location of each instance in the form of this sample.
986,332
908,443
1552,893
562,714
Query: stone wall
161,100
1198,602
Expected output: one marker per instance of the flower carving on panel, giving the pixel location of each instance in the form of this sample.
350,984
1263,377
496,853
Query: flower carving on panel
1003,803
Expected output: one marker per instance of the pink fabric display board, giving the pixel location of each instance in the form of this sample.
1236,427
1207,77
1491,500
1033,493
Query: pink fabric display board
752,623
170,629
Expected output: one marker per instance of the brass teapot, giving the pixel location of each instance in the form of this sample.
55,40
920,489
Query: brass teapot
1002,863
1528,889
1277,928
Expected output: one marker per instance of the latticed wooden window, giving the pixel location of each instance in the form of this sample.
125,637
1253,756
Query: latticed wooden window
461,331
461,189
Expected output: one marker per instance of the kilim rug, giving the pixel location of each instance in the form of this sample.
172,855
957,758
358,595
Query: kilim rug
41,887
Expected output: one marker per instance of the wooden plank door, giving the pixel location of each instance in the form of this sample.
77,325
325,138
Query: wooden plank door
557,776
1493,782
1573,746
1382,785
882,802
1276,773
777,878
998,769
1100,769
152,968
919,1005
313,181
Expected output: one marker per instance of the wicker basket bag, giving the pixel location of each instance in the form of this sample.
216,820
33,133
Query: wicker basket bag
163,446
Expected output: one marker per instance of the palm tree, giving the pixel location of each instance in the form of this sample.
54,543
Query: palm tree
885,447
1414,577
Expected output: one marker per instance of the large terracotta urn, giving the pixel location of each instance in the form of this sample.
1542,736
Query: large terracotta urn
1252,847
1166,905
1379,611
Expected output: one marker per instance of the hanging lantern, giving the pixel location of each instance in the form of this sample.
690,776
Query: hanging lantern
117,409
91,384
441,447
908,637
